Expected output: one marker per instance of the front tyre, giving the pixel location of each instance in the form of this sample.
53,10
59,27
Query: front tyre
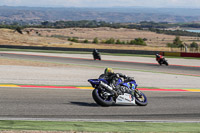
140,98
101,98
166,63
160,63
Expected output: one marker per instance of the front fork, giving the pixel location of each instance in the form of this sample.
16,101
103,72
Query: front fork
139,95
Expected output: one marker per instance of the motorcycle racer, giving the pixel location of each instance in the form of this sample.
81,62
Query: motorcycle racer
113,78
96,54
159,57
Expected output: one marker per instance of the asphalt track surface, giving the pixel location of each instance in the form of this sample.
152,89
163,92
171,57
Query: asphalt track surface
177,69
68,104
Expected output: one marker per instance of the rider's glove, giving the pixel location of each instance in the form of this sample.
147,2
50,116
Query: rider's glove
117,75
125,76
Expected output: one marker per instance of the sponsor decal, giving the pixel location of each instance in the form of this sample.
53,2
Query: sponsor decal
127,99
121,97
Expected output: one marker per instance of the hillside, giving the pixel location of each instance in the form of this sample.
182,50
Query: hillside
131,14
59,38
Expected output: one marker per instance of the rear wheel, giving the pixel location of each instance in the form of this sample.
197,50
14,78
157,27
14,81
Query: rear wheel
102,98
140,98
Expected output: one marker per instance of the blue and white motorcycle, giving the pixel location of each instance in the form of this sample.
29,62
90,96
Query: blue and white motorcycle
105,95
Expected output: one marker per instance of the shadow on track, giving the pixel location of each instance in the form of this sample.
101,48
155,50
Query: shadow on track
85,104
94,104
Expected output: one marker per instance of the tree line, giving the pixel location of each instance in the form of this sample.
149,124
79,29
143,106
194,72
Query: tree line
136,41
177,43
159,28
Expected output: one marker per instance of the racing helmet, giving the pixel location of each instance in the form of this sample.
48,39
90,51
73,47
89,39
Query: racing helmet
108,71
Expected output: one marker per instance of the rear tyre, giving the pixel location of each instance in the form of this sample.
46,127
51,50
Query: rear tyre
102,99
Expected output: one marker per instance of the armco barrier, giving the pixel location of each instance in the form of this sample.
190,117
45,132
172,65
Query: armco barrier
183,54
83,49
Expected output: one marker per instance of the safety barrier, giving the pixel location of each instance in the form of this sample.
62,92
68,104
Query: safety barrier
172,54
180,54
190,54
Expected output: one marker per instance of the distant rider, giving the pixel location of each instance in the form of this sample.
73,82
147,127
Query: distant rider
95,51
159,58
96,54
113,78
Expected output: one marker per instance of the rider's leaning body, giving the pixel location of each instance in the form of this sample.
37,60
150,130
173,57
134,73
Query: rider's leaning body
159,57
113,78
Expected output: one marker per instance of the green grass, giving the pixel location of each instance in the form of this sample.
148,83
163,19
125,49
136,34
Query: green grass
99,126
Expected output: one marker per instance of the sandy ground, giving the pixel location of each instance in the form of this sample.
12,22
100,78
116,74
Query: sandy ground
153,39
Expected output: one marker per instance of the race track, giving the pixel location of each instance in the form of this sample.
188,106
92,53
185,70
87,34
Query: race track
75,104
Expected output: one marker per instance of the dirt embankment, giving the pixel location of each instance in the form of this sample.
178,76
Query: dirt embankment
59,38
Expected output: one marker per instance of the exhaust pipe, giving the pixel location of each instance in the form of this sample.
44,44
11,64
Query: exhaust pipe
109,88
106,86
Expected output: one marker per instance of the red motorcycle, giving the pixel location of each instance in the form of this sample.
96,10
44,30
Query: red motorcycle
161,60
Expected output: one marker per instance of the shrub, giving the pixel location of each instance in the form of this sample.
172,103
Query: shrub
19,30
118,41
171,45
85,41
73,39
177,43
95,40
138,41
110,41
194,45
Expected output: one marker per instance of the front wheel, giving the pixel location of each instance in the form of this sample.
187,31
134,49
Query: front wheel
140,98
160,63
166,63
102,98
